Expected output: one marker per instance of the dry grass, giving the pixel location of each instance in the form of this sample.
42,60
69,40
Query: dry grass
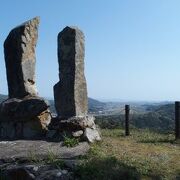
146,154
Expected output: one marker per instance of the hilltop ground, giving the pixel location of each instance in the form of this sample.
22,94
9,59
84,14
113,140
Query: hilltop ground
143,155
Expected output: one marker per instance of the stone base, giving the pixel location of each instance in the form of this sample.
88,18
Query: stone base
83,128
26,118
23,159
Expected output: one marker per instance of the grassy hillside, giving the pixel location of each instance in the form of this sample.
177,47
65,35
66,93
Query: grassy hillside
95,105
159,118
143,155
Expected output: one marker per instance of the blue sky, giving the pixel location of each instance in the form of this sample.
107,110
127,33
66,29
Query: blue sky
132,46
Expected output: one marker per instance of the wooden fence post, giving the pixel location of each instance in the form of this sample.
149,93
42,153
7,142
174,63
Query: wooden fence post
177,119
127,109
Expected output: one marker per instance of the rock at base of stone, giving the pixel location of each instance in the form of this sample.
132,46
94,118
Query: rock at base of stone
50,134
34,171
18,173
22,109
74,123
91,135
24,118
81,127
77,133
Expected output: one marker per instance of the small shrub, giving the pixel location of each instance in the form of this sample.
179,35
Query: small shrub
53,160
33,157
70,141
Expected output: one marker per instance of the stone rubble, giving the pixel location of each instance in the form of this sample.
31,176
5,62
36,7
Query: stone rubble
36,171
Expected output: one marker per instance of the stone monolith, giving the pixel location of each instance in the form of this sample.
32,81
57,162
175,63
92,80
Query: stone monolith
19,50
23,114
70,93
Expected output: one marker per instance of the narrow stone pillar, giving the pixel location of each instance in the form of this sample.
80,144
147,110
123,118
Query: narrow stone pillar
70,93
19,50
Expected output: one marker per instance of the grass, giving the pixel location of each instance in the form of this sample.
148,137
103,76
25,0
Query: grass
50,159
70,141
143,155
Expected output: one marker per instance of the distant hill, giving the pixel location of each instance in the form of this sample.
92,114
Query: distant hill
3,97
95,105
157,117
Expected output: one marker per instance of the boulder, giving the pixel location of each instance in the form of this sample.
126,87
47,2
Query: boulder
15,172
77,133
22,109
91,135
72,124
24,118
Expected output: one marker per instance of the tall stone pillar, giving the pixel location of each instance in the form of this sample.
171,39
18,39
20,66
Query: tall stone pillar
19,50
23,114
70,93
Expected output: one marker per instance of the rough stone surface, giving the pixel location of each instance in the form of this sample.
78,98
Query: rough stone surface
35,171
24,118
77,133
50,134
24,114
70,93
26,149
29,160
22,109
54,174
92,135
73,123
19,50
14,172
82,128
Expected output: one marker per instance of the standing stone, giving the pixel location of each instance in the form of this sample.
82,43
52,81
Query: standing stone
70,93
19,50
24,113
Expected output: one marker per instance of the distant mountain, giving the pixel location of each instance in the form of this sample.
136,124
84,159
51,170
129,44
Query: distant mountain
166,110
95,105
157,117
3,97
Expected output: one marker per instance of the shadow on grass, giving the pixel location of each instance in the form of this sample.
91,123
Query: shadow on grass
105,169
178,176
157,141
